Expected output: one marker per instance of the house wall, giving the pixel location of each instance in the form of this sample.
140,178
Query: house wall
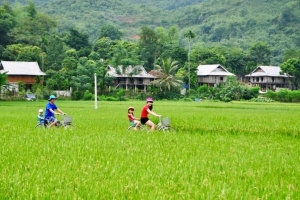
131,82
266,79
26,79
211,79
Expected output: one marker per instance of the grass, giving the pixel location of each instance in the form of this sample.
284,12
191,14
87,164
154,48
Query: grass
233,150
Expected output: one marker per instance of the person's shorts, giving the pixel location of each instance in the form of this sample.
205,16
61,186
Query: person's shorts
51,119
144,120
41,121
132,124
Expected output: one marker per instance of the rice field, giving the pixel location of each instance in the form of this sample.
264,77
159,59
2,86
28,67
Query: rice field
237,150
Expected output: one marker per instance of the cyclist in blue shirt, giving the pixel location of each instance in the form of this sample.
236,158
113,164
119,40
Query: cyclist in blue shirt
52,110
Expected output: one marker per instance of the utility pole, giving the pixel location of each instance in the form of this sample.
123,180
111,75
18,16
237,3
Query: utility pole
189,35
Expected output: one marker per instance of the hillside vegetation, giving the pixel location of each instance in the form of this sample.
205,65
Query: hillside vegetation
73,36
227,23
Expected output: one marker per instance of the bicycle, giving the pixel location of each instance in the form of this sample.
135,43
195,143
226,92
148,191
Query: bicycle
66,123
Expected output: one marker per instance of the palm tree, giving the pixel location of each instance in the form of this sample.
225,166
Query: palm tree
190,35
166,75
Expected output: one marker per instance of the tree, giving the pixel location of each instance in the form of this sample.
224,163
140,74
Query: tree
292,67
7,23
189,35
110,31
77,40
21,52
55,52
102,47
125,53
148,46
167,78
260,53
291,53
31,9
3,77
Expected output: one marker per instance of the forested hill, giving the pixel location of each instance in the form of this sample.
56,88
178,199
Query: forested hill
215,22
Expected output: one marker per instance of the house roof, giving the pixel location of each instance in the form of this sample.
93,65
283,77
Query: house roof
267,71
213,70
21,68
136,71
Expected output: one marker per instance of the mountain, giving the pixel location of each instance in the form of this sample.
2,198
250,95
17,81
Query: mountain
237,23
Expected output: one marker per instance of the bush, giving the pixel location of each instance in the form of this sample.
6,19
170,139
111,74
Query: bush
76,95
87,95
261,100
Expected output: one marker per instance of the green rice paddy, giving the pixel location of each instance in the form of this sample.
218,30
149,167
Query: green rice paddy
236,150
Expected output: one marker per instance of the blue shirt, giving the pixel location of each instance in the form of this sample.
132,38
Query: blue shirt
40,119
49,114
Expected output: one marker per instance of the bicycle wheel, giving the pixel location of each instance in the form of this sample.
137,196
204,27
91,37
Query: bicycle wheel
130,128
69,126
168,129
141,128
40,126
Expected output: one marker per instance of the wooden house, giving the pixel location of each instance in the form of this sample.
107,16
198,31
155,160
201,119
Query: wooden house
212,75
26,72
268,78
130,77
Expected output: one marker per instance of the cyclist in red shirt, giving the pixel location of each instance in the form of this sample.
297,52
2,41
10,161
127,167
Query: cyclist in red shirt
147,109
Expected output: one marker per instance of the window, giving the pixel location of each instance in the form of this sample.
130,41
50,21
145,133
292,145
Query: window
221,78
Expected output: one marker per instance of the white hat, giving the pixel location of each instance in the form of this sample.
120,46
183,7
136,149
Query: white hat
40,110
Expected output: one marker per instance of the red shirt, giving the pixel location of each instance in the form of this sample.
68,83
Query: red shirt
131,117
144,113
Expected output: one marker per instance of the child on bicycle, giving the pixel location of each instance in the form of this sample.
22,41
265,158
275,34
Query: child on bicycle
132,120
41,118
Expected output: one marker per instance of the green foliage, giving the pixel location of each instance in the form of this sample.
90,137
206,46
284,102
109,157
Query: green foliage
87,95
77,95
125,54
110,31
232,24
19,52
77,40
169,95
260,53
148,45
31,9
292,67
261,100
284,95
166,72
3,78
7,23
